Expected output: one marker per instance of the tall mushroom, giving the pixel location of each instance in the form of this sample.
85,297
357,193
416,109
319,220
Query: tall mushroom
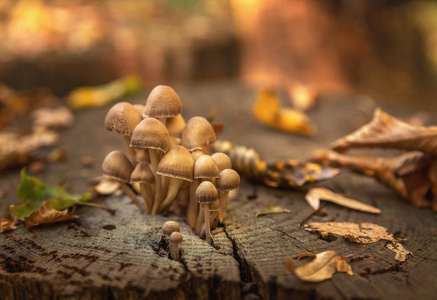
163,102
178,165
123,118
142,175
228,180
152,135
207,195
117,166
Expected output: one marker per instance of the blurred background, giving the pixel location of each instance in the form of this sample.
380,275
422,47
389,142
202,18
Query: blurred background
387,49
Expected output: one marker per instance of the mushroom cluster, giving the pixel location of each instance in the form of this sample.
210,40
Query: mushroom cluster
168,159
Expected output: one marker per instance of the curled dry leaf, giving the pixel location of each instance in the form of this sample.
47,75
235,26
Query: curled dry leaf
385,131
268,110
270,209
323,267
9,222
58,117
359,233
314,196
45,216
401,252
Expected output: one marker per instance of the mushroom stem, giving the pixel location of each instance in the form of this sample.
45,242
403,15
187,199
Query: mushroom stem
224,201
174,250
199,220
146,192
130,149
158,184
193,206
207,225
131,196
174,188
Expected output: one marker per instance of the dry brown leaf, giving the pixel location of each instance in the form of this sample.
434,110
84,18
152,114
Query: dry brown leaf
401,252
323,267
268,110
385,131
270,209
58,117
314,196
359,233
45,216
9,222
106,186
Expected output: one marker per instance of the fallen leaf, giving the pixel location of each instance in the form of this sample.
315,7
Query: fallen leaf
401,252
314,196
33,193
58,117
106,186
385,131
268,111
303,97
44,215
324,266
104,94
270,209
9,222
359,233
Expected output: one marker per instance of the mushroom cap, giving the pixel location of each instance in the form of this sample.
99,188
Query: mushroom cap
197,134
205,167
175,126
139,108
206,193
175,238
142,174
177,163
163,102
117,166
150,133
228,180
196,154
222,161
142,156
123,118
169,227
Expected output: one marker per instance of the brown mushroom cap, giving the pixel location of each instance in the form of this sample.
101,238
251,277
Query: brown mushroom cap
205,167
142,156
222,161
196,154
206,193
142,174
117,166
175,126
198,133
163,102
123,118
150,133
139,108
175,238
228,180
177,163
169,227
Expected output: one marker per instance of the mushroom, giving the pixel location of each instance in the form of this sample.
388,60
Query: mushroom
118,167
142,175
222,161
178,165
175,126
228,180
207,195
169,227
197,134
152,135
204,169
163,102
139,108
175,239
123,118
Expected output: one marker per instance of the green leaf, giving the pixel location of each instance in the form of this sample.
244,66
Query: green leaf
34,193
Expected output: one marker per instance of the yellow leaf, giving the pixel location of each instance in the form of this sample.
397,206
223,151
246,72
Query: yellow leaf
270,209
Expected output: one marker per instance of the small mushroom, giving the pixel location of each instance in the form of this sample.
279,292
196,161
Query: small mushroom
123,118
178,165
169,227
175,126
142,175
228,180
163,102
197,134
222,161
207,196
175,240
118,167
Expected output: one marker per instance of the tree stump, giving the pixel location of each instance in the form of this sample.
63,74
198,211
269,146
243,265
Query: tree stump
122,256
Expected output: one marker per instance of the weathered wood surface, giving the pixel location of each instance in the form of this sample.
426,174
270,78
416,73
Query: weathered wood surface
120,256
